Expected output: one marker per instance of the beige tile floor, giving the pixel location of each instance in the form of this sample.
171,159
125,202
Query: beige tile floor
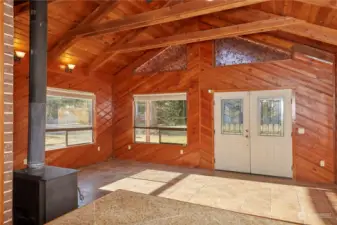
266,197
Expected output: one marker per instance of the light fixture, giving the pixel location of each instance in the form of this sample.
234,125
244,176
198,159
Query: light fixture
18,56
69,68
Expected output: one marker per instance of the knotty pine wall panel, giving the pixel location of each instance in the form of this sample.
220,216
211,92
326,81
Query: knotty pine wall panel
72,157
313,85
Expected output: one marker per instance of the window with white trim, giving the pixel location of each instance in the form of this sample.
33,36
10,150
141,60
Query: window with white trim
69,118
160,118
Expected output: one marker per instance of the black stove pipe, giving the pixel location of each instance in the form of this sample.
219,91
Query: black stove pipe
37,83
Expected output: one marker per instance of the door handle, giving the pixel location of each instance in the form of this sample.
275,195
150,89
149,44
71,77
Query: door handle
247,136
247,130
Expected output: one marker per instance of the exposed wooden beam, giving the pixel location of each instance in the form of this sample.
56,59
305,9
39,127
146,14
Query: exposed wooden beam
24,7
141,60
107,55
262,38
67,40
322,3
163,15
308,30
205,35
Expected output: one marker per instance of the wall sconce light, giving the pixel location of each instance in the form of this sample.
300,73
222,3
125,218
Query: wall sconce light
69,68
210,91
18,56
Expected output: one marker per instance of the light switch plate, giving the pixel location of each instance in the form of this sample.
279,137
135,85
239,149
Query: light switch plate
129,147
301,130
322,163
25,162
181,152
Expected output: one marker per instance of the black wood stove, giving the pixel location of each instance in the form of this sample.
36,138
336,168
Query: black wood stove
40,193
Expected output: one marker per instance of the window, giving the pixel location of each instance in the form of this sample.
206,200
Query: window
271,117
160,119
69,119
232,116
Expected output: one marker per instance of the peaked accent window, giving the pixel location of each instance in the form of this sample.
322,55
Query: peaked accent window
172,58
234,51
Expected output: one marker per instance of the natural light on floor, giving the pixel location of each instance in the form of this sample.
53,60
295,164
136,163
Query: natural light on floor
267,199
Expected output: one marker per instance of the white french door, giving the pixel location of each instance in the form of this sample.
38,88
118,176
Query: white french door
231,131
253,132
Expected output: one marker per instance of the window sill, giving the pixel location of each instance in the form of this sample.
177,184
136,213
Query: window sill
70,147
146,143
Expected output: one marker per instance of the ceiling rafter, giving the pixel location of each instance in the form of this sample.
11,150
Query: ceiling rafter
163,15
322,3
308,30
66,41
262,38
107,55
24,7
211,34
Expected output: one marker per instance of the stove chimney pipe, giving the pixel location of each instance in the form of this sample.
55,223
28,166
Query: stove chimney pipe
37,83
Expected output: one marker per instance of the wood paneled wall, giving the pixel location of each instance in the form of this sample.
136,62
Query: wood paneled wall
312,82
72,157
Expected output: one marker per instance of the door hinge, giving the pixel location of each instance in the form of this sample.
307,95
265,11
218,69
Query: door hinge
214,160
213,102
214,131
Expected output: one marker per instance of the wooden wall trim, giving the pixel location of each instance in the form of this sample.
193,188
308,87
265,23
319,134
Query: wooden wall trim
2,113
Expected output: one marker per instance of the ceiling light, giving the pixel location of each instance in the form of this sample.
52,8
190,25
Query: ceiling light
70,67
18,56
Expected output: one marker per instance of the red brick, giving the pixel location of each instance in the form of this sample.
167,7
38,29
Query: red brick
9,49
8,98
8,147
8,215
8,166
8,127
8,117
8,156
8,88
8,186
8,69
7,19
8,176
8,137
8,196
8,205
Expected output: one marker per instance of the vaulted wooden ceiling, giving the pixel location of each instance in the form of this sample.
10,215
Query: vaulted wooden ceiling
108,35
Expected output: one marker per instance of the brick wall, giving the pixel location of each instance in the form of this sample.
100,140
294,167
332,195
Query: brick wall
8,28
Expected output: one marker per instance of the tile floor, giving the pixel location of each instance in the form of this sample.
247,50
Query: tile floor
267,197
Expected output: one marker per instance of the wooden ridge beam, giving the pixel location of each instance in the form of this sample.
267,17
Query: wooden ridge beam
107,55
205,35
67,40
24,7
262,38
305,29
322,3
163,15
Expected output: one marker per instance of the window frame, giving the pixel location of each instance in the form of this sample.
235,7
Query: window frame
73,94
158,128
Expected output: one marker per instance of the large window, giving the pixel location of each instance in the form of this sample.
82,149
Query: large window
69,118
160,119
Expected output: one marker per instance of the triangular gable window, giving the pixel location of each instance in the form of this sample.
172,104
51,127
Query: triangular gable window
173,58
233,51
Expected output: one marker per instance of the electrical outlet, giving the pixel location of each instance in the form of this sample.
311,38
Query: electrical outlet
129,147
301,130
181,152
322,163
25,162
99,148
